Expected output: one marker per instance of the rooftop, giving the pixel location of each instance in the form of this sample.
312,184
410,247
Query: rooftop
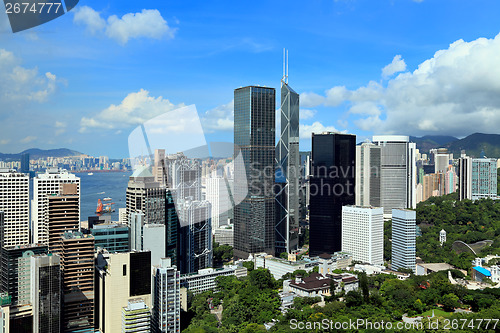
483,270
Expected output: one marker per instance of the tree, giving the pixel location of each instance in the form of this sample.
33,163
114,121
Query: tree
248,265
353,298
450,302
363,283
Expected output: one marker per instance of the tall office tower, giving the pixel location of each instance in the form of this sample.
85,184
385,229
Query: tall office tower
25,163
403,239
171,227
368,175
46,295
332,185
159,170
120,277
9,267
450,180
166,298
136,230
14,202
288,170
254,135
477,178
398,174
195,238
45,185
432,185
441,160
63,212
77,266
218,196
183,177
150,237
363,233
113,237
136,317
2,226
146,195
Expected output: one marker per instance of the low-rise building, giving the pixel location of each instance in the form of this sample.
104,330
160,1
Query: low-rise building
339,260
204,279
345,282
311,286
279,267
424,269
224,235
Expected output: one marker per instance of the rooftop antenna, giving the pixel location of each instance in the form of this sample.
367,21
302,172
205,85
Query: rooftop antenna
285,66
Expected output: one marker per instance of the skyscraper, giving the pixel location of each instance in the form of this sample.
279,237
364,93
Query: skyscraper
254,135
25,163
166,298
46,295
403,239
332,185
218,196
368,175
63,212
398,175
46,184
363,233
77,266
477,178
146,195
14,202
288,169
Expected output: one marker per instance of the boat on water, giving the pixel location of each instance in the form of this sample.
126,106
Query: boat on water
90,174
107,199
104,208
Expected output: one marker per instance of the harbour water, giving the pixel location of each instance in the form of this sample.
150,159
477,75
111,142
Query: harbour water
102,185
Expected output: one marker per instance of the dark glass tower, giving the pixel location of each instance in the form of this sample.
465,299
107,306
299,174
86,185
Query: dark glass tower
332,180
25,163
254,137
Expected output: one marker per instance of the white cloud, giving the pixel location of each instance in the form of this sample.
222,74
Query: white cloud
4,141
60,127
85,15
19,85
306,113
220,118
397,65
28,139
310,100
455,92
316,127
148,24
134,109
336,95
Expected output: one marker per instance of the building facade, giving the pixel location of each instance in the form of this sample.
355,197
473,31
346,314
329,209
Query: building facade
14,202
368,165
147,196
288,169
332,185
398,175
254,138
403,239
45,185
363,233
166,298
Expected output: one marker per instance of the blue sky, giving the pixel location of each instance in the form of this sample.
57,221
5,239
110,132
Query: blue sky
85,80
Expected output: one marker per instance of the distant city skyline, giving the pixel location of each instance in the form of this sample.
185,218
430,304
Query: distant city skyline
85,80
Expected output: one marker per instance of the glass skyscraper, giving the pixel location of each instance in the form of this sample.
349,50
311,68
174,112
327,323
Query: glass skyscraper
288,172
332,183
254,137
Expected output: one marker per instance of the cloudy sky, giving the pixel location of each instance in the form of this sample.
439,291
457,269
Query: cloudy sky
86,80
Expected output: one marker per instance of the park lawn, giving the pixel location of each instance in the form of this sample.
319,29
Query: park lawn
437,313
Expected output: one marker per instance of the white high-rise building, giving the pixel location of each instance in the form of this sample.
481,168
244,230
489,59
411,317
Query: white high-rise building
44,185
403,239
368,190
218,196
442,237
363,233
477,178
398,176
166,298
136,317
14,202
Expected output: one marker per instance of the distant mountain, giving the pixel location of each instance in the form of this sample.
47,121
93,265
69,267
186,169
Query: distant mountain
475,143
36,153
425,143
